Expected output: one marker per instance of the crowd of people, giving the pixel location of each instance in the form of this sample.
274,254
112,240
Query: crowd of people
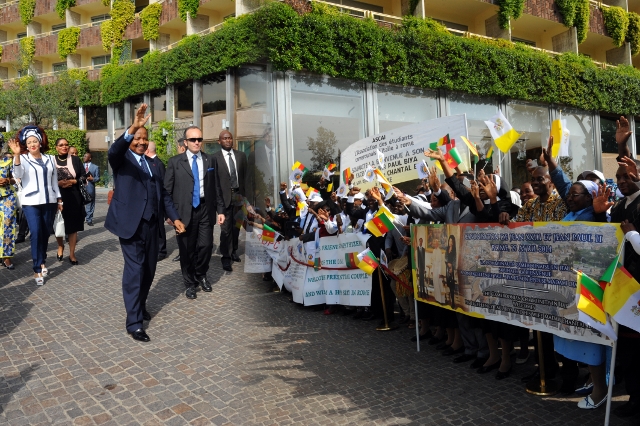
548,196
196,191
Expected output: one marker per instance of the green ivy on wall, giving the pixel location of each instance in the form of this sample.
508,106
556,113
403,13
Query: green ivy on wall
1,50
63,5
509,9
68,41
106,3
418,53
576,13
112,31
26,8
188,6
162,141
150,20
633,33
27,52
616,21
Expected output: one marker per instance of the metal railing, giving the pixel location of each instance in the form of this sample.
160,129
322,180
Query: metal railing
201,33
363,13
9,3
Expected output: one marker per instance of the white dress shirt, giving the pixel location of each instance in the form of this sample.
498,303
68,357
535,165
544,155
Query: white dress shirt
200,168
225,154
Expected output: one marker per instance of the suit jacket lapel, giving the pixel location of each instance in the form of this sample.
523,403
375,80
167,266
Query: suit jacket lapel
187,166
224,163
134,161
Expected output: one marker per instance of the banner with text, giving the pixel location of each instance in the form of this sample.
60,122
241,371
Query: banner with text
523,274
403,149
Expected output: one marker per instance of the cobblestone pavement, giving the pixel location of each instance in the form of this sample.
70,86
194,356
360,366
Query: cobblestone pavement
239,355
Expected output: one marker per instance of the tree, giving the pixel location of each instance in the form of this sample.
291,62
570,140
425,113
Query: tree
27,100
322,147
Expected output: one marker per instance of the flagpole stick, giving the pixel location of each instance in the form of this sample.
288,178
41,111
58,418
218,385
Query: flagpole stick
415,309
384,305
542,388
612,370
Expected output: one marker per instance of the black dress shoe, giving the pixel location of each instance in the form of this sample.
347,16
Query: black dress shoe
139,335
479,362
442,346
19,240
235,257
191,293
463,358
90,223
176,259
358,315
503,374
73,262
204,283
227,267
161,257
483,370
368,316
59,258
146,316
435,340
450,351
629,409
422,337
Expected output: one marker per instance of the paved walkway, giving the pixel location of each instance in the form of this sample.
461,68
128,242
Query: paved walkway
239,355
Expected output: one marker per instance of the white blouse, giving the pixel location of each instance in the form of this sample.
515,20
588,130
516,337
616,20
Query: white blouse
39,184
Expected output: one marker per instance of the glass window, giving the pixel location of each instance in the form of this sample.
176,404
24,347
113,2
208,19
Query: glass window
96,118
99,18
581,149
135,102
327,117
184,99
400,106
477,110
141,52
118,110
21,35
56,28
158,105
254,118
59,66
214,93
608,145
98,61
532,121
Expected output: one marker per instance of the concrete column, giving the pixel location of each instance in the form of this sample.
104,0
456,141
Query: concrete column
420,10
33,28
231,101
197,24
4,73
566,41
72,19
492,29
81,123
74,61
128,116
171,110
163,41
197,103
620,55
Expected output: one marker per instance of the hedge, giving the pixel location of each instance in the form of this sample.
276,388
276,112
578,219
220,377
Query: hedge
77,138
418,53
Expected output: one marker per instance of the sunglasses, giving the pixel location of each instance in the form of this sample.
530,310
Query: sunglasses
194,140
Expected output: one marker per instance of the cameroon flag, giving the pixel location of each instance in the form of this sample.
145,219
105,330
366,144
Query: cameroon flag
453,158
299,166
368,261
351,260
347,176
590,297
380,224
268,234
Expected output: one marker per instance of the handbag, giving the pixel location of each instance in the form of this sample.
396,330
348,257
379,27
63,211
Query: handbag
58,225
86,197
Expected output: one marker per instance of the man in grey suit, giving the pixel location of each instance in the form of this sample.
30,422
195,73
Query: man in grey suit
422,286
190,181
231,177
93,177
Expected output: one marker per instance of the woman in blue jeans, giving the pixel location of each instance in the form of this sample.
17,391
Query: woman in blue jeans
40,197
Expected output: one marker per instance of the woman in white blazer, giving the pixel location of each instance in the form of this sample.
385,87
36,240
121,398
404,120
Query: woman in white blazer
40,198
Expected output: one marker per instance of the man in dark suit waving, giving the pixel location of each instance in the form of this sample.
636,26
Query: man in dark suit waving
136,212
190,180
231,178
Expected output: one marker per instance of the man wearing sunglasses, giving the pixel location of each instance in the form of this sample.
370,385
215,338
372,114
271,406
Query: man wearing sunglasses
190,180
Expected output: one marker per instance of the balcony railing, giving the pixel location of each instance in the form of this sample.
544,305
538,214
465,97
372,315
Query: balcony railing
9,3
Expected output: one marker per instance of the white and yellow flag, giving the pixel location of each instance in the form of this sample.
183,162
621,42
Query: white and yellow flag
502,133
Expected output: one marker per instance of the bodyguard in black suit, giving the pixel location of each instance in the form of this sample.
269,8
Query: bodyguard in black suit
190,181
136,212
157,164
231,177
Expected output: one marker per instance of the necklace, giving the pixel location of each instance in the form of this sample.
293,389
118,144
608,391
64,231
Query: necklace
62,159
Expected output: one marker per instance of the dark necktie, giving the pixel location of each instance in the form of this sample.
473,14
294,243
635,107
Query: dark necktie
143,164
232,171
195,202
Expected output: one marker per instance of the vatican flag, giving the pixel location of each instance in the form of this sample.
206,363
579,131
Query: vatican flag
556,132
502,133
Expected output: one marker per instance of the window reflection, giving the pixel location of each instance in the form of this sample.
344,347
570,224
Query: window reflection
158,105
119,115
400,106
184,99
532,122
581,148
327,117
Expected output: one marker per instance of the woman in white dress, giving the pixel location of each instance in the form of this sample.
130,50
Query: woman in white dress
437,269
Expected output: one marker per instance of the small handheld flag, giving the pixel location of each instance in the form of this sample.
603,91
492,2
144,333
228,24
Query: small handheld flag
369,174
299,166
423,170
380,158
347,176
351,260
502,132
268,233
342,190
380,224
471,147
368,261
